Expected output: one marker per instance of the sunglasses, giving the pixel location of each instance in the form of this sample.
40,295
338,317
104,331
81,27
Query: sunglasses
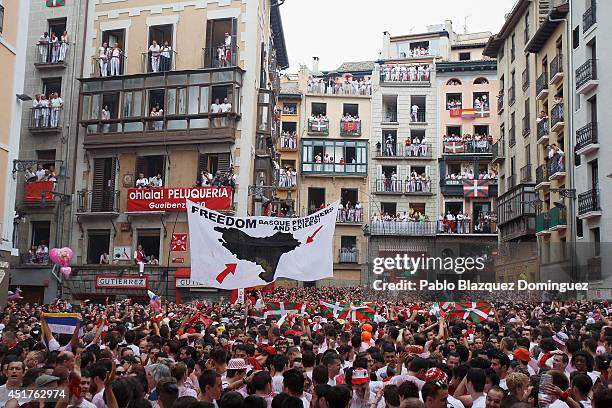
120,372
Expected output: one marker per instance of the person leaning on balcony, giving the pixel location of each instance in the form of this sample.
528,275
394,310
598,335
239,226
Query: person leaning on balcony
42,252
142,181
156,182
165,63
139,254
155,53
104,259
54,44
116,55
36,110
56,106
43,47
63,47
44,110
30,175
103,59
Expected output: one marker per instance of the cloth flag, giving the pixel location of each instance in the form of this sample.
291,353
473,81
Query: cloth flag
332,310
281,308
478,311
154,300
475,188
437,310
237,252
55,3
355,313
62,323
454,147
455,112
468,113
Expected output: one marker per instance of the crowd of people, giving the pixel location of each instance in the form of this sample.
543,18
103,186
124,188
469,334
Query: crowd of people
408,353
224,52
414,183
286,177
289,109
350,212
413,147
469,175
111,60
350,124
51,48
461,223
160,57
415,52
471,143
405,73
555,158
39,254
288,140
156,181
41,174
219,179
414,222
46,111
345,85
318,123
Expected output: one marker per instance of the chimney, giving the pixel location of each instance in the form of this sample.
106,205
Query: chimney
315,65
386,46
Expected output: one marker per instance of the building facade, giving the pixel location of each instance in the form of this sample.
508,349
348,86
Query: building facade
172,96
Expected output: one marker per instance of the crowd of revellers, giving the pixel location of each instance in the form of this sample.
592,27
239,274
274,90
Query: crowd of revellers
288,140
110,60
414,183
204,355
286,177
345,85
469,175
39,254
350,212
46,111
461,223
413,147
405,73
52,49
41,174
415,52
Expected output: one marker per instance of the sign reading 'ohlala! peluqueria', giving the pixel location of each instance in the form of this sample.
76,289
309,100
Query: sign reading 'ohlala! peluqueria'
173,199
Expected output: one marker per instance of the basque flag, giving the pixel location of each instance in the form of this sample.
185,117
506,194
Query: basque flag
454,147
475,188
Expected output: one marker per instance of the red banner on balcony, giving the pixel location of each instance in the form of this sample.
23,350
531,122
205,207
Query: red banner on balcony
349,126
475,188
173,199
454,147
455,113
35,191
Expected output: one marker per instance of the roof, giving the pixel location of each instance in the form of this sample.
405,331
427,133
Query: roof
467,46
360,66
512,19
289,91
548,26
278,35
419,36
466,66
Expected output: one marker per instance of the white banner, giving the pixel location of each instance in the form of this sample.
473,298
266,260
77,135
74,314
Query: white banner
240,252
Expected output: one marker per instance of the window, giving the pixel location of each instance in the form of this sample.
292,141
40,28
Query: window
527,27
213,163
350,109
348,242
57,26
594,174
596,239
454,101
482,81
290,108
453,131
464,56
576,37
513,47
52,85
1,18
316,199
388,208
482,130
41,233
46,158
328,156
98,243
150,240
103,188
150,166
528,154
319,109
579,228
481,101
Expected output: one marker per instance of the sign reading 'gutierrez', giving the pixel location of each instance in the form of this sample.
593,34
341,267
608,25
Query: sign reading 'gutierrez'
122,282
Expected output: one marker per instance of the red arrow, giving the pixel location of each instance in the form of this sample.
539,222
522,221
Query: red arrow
311,238
229,268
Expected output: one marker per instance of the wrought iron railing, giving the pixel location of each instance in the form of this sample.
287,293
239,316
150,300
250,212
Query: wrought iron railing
588,202
542,83
589,18
586,72
97,201
220,57
586,135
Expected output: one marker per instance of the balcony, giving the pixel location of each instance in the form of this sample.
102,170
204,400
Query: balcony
478,147
43,120
97,202
542,224
526,174
542,87
418,118
38,192
558,219
586,77
500,102
511,181
556,167
350,127
525,77
526,125
557,119
220,57
348,255
285,179
109,67
391,186
455,187
542,177
397,151
318,126
390,117
388,186
589,18
511,96
556,70
52,55
467,227
511,137
161,62
587,139
516,204
543,131
589,205
34,259
335,169
403,228
352,216
287,142
405,75
498,151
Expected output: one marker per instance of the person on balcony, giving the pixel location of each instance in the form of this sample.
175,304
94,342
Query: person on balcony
56,107
543,119
142,181
155,53
40,173
156,182
105,116
43,47
36,110
63,49
414,113
104,259
389,146
44,110
116,55
139,255
103,54
29,175
166,57
227,43
226,107
42,252
394,183
55,47
152,260
205,178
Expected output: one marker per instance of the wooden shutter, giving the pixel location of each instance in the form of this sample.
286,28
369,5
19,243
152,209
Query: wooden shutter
224,162
202,165
103,186
140,166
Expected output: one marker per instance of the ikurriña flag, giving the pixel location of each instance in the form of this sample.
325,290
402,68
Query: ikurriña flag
478,311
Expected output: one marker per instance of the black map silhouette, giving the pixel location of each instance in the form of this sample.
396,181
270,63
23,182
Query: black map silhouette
265,252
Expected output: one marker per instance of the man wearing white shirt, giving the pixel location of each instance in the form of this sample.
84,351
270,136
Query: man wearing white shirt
142,181
415,113
156,182
475,383
115,60
154,51
103,59
56,106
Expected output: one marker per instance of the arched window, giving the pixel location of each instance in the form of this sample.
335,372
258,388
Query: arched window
453,81
481,81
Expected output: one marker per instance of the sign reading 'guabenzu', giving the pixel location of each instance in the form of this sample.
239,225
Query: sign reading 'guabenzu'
122,282
173,199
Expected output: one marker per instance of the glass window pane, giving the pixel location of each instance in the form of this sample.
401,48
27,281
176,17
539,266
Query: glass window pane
194,100
92,86
177,79
198,123
203,99
127,104
177,124
112,85
157,80
202,78
131,83
132,126
86,107
182,101
264,97
224,76
171,104
263,118
92,129
137,103
95,106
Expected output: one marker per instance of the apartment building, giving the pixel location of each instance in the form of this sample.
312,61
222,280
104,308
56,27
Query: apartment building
13,29
589,57
516,150
334,157
199,109
44,169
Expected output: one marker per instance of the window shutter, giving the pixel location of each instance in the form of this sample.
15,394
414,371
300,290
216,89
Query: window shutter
224,162
140,166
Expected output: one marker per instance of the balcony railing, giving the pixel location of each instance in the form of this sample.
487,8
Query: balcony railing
525,76
350,169
97,201
287,142
511,96
401,151
350,127
285,179
35,258
498,150
542,222
556,115
37,192
220,57
586,136
556,165
348,255
543,128
526,125
403,228
390,117
318,126
418,117
586,72
526,174
558,217
588,202
45,119
52,54
408,186
542,174
511,137
389,185
405,74
500,103
511,181
589,18
465,227
350,216
556,66
467,147
542,83
105,67
159,62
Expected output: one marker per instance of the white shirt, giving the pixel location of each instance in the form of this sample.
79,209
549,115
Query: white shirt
215,108
57,102
277,383
154,49
226,107
480,402
558,404
502,384
142,182
102,52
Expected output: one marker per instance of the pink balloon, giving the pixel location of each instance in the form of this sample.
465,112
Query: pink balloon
66,270
54,255
61,256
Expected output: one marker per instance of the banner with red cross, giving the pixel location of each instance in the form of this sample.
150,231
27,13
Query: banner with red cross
475,188
56,3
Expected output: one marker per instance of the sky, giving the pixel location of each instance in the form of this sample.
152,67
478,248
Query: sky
351,30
